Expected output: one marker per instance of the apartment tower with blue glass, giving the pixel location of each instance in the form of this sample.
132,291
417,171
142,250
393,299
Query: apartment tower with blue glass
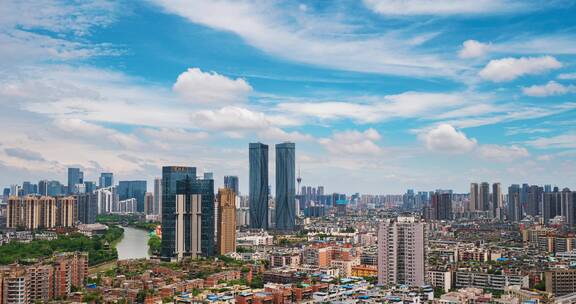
170,177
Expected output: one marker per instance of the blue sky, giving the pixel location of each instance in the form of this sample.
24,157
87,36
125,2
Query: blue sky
379,95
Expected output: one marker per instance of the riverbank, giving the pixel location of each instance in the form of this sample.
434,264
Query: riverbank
134,244
98,247
134,221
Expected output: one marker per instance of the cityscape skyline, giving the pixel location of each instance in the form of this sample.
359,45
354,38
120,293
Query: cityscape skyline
376,101
274,152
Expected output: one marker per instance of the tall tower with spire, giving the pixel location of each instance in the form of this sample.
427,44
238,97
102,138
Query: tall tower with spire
299,181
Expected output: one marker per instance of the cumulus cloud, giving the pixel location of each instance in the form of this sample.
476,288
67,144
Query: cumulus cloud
173,134
558,141
52,30
92,132
445,138
502,153
443,7
313,39
210,88
277,134
550,89
507,69
407,104
24,154
353,142
567,76
232,118
473,49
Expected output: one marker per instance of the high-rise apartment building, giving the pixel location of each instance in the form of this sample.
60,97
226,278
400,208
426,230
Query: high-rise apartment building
496,206
187,214
44,281
158,196
534,200
133,189
401,252
552,205
70,270
106,180
67,214
285,186
170,176
524,195
107,200
258,188
441,205
474,197
149,203
15,285
484,196
231,182
48,211
41,281
31,212
515,210
226,240
75,177
567,204
87,206
194,213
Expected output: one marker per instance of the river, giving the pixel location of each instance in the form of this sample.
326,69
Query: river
134,244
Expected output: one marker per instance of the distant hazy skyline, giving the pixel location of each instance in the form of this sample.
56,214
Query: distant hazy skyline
378,95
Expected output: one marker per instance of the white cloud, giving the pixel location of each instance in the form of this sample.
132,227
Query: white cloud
92,94
473,49
545,157
550,89
92,132
567,76
408,104
546,44
277,134
558,141
351,143
445,138
230,118
173,134
210,88
512,112
507,69
331,110
444,7
313,39
502,153
38,31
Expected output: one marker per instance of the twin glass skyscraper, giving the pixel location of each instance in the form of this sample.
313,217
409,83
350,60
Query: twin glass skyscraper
258,191
285,186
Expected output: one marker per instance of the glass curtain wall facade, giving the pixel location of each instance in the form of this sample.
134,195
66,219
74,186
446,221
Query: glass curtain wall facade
285,186
258,157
